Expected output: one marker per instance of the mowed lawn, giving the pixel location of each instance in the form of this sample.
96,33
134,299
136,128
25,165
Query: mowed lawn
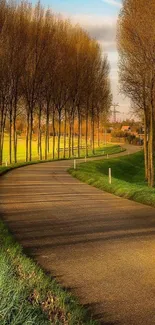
127,177
21,149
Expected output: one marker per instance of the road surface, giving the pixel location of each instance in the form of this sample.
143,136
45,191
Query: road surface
100,246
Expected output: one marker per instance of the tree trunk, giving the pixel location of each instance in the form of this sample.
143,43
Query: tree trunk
151,142
15,133
38,147
59,134
98,131
31,132
48,141
10,136
87,134
39,134
151,155
27,136
92,135
1,151
69,139
53,124
151,138
73,136
2,142
47,132
1,145
2,127
79,133
65,127
146,146
1,148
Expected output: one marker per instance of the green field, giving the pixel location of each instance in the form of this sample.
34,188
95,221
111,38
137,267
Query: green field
128,178
21,149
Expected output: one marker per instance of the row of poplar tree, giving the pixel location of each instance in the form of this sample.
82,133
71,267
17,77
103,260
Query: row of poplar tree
136,45
51,69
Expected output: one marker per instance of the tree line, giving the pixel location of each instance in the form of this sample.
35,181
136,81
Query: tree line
136,46
50,70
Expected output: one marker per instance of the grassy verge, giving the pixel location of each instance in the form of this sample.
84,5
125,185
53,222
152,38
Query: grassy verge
127,177
109,149
28,296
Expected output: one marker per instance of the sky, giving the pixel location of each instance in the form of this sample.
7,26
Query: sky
99,18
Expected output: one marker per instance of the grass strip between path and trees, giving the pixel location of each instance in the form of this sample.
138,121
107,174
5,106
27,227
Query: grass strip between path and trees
128,177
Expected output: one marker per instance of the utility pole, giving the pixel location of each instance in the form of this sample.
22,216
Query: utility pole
115,112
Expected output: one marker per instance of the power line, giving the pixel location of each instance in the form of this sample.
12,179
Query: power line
115,112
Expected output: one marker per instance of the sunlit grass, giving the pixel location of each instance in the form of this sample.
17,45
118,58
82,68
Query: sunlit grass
106,150
21,148
128,178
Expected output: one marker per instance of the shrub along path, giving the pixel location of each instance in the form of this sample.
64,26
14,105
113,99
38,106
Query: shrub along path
99,246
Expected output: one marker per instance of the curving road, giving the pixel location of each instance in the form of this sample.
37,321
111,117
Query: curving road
100,246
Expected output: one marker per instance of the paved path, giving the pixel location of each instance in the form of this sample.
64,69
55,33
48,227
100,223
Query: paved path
100,246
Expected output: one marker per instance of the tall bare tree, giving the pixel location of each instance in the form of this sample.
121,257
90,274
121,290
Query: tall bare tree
136,44
53,74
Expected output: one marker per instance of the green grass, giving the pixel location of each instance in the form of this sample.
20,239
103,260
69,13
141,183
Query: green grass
28,296
127,177
21,149
108,149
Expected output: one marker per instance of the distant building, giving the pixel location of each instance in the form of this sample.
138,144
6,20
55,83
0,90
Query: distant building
126,128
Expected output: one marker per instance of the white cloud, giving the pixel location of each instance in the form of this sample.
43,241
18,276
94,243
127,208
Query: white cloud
103,28
93,20
113,3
